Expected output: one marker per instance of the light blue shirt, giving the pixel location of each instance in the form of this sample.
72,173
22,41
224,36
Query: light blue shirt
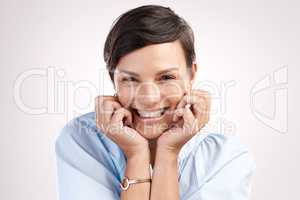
90,165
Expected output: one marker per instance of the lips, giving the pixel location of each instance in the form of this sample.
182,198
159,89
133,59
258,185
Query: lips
150,119
150,114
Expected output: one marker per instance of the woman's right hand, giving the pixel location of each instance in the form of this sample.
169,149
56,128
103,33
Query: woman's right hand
115,121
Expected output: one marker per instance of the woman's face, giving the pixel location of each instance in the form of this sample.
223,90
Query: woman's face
150,82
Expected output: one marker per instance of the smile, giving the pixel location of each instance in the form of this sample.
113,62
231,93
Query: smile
150,116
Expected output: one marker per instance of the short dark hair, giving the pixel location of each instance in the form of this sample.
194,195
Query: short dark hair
146,25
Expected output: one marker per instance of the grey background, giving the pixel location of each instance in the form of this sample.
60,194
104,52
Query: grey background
250,46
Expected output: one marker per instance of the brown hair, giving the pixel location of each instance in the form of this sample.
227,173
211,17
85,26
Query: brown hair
146,25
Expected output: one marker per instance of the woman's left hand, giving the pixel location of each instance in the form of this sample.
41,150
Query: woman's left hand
191,114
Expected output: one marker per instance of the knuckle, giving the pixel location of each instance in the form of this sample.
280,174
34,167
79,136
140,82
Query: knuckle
201,100
198,91
119,111
114,128
203,93
107,106
101,127
207,94
99,99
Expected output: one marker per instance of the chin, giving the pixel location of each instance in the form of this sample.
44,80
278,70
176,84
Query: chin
151,131
153,128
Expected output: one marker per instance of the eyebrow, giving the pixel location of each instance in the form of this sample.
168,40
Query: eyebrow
160,72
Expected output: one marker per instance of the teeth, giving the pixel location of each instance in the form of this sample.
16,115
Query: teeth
150,114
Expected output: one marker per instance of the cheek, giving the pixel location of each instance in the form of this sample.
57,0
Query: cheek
173,92
125,95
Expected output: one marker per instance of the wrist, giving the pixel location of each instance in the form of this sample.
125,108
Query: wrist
137,166
141,155
164,149
137,152
166,155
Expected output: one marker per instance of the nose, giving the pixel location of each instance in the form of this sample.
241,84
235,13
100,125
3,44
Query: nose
148,96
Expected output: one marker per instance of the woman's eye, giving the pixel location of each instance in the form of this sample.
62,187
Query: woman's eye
128,79
167,77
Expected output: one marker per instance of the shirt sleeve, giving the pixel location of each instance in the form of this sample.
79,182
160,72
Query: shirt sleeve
224,169
80,175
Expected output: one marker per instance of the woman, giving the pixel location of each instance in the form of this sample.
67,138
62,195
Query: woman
148,133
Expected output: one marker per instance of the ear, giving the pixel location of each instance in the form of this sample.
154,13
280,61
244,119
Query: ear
193,71
114,83
191,75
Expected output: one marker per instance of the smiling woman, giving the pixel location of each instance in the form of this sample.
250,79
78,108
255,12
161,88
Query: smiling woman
147,84
146,139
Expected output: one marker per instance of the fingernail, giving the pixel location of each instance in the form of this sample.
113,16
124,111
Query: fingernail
178,112
188,105
174,118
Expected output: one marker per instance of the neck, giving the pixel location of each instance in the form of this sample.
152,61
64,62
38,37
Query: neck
152,147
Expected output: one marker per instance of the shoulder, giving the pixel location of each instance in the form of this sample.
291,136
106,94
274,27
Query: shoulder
224,154
220,147
80,142
214,145
215,155
217,165
79,129
83,153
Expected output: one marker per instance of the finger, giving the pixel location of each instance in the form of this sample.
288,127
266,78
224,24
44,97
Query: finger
201,98
97,120
199,108
206,99
179,108
204,118
127,117
207,110
187,116
123,120
100,99
105,97
100,115
187,99
197,99
105,107
109,106
179,112
189,121
201,116
118,117
105,113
